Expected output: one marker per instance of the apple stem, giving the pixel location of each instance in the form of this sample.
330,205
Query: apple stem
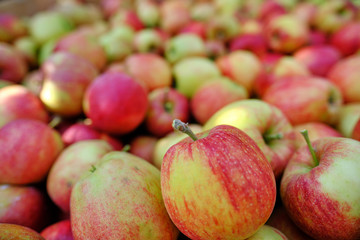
93,168
56,120
311,149
269,137
184,128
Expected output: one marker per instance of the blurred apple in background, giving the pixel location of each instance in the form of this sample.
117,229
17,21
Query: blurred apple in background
58,231
345,74
214,95
348,116
149,40
29,148
12,64
128,17
195,27
70,165
148,12
306,100
265,124
215,48
24,205
18,232
223,28
269,233
28,48
115,103
356,131
11,27
192,72
34,81
255,43
165,105
174,15
143,146
347,38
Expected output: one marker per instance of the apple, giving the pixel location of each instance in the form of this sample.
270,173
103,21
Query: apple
16,101
120,199
64,86
356,132
128,17
222,28
174,15
347,39
349,114
317,37
286,34
265,124
242,192
84,45
253,42
314,188
306,100
280,220
228,7
184,45
18,232
268,233
318,59
12,64
150,69
115,103
24,205
164,143
82,131
46,50
29,148
195,27
215,48
11,27
214,95
316,130
149,40
110,7
192,72
34,81
270,9
344,75
28,49
69,166
59,230
148,12
305,11
143,146
49,25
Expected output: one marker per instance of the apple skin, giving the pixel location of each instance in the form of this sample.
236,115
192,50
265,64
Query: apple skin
253,42
318,59
349,114
195,27
243,67
64,86
16,101
120,199
356,132
115,103
143,146
72,162
316,197
268,233
126,17
259,119
192,72
81,131
18,232
58,231
174,15
34,81
214,95
149,69
316,130
149,40
306,100
24,205
222,28
286,33
148,13
280,220
13,66
165,104
242,183
29,148
344,74
347,39
11,27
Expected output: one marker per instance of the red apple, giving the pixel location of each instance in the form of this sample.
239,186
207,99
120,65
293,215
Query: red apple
143,146
29,148
24,205
268,232
347,39
58,231
317,37
242,192
255,43
18,232
12,65
214,95
73,162
165,104
356,132
174,15
149,69
318,59
16,101
127,17
11,27
305,11
195,27
270,9
306,100
116,103
344,74
314,188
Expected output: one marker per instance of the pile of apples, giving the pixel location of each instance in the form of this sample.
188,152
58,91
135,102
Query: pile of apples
181,119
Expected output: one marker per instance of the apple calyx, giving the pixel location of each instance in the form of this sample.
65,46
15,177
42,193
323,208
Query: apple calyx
92,169
184,128
311,149
270,137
